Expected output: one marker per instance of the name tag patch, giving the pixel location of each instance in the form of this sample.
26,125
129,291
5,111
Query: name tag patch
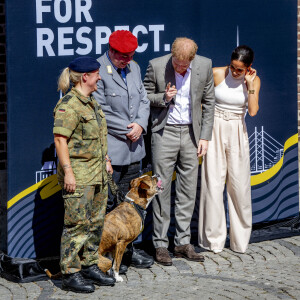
109,70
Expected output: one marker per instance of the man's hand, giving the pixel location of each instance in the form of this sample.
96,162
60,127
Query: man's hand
170,92
135,133
202,148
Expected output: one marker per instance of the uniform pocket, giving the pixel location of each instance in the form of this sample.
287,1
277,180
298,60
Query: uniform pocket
90,127
75,207
101,113
114,100
76,194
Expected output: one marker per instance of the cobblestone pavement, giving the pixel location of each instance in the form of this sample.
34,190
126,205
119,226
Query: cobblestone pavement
269,270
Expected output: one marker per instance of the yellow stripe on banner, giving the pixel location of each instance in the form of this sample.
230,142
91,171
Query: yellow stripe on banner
50,179
53,187
262,177
50,189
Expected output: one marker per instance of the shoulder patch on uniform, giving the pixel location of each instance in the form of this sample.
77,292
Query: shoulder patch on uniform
66,98
109,69
58,123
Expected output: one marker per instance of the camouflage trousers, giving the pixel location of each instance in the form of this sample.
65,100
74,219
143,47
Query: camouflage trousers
83,224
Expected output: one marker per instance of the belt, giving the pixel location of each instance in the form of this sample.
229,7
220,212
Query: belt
227,115
178,124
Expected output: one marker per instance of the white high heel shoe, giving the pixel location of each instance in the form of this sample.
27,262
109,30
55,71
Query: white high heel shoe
216,251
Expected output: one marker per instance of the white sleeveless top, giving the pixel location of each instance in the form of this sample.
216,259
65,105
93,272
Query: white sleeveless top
231,94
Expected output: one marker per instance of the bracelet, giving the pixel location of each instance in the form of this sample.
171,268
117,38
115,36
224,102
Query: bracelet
107,158
251,91
66,166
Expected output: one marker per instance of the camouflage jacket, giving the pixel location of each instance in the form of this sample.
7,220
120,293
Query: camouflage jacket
82,120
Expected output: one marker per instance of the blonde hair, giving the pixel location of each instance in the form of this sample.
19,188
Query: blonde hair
66,77
184,48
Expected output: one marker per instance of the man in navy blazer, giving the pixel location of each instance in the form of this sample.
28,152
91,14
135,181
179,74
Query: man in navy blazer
124,101
180,88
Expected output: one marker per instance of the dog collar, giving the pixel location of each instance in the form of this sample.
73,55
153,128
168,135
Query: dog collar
140,210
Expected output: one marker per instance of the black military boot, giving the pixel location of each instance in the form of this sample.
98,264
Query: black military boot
76,283
140,259
94,273
137,258
123,269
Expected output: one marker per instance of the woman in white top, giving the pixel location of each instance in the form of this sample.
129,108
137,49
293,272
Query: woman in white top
227,160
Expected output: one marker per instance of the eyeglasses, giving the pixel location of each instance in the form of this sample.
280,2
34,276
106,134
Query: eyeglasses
238,70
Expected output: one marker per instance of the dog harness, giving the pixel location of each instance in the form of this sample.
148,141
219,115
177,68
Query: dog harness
141,211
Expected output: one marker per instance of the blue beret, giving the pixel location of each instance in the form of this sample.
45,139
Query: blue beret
84,64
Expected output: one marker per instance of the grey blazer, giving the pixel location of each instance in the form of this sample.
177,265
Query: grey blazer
122,104
160,71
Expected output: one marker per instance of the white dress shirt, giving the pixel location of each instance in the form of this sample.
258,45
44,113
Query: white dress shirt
180,112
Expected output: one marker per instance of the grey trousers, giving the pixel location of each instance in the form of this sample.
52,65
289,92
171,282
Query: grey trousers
174,148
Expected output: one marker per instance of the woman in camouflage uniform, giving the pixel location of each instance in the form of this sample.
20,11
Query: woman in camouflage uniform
80,136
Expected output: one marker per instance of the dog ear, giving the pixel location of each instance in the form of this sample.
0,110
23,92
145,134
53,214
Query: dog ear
142,193
144,185
135,182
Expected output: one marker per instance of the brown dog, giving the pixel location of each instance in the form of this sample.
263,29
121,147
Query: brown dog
125,222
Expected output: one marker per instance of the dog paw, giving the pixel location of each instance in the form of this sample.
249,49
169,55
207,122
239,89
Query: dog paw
118,278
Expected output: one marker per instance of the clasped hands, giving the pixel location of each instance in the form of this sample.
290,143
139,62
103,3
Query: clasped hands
135,132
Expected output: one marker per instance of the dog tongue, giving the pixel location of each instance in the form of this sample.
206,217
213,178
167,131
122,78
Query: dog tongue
159,182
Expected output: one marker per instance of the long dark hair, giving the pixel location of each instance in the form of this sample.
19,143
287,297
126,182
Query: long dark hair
244,54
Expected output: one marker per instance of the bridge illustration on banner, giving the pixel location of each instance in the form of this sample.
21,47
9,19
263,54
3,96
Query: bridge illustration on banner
265,151
48,169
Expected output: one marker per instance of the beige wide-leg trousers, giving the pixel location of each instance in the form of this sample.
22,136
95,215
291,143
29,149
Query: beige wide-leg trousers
227,160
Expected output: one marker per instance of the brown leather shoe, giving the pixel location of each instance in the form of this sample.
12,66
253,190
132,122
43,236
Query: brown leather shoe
188,252
163,257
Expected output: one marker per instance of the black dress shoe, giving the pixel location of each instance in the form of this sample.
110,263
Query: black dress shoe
140,259
123,269
76,283
94,273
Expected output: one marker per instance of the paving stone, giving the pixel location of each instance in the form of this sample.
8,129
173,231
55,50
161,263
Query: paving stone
286,251
17,290
293,240
294,248
268,270
6,293
33,290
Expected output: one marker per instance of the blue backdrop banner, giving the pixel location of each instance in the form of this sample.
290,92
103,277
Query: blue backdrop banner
44,35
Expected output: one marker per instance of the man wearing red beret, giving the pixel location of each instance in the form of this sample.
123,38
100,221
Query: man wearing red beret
124,101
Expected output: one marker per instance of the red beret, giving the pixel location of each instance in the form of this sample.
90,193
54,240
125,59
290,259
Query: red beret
123,41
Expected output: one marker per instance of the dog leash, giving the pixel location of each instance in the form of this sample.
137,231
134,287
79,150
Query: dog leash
115,189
